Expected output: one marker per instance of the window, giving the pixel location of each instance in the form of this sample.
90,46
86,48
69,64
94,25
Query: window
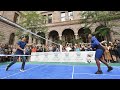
70,15
16,17
63,16
45,20
49,18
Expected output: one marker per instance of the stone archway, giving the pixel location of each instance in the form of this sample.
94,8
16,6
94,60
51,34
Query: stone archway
83,34
99,36
40,40
53,36
68,35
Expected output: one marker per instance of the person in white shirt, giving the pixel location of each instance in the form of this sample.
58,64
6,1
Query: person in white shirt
68,48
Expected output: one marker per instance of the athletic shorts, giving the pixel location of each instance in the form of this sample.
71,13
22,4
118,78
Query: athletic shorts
98,54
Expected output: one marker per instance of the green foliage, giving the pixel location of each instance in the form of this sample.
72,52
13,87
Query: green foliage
18,33
33,21
86,31
103,17
103,31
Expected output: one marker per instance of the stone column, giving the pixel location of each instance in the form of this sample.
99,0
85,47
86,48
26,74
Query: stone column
39,41
76,36
66,16
16,40
60,37
34,40
30,39
46,41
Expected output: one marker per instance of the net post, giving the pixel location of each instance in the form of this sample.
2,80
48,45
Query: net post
60,48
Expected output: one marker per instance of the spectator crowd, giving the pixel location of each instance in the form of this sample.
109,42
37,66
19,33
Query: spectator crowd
111,54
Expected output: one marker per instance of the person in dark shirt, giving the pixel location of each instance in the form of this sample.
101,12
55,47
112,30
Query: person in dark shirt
118,48
89,48
99,52
20,51
113,53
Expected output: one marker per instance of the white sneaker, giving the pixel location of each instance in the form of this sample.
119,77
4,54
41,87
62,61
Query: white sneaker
21,70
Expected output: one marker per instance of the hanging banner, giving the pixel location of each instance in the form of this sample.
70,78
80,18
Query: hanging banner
82,56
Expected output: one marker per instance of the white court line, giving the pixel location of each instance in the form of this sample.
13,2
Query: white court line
73,72
21,72
96,74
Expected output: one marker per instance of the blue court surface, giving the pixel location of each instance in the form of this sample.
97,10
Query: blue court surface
57,71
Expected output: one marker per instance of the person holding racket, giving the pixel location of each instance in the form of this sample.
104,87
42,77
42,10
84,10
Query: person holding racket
20,51
98,54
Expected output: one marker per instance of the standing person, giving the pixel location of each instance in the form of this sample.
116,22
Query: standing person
118,49
99,52
113,55
34,49
27,52
77,48
20,51
68,48
54,48
107,54
89,48
1,52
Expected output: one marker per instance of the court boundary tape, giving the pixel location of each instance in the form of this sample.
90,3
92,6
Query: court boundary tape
21,72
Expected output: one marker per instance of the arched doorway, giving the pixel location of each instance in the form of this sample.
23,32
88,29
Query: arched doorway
12,39
40,40
102,33
68,36
83,34
53,36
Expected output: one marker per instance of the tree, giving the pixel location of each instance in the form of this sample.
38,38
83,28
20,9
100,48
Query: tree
18,33
34,21
104,18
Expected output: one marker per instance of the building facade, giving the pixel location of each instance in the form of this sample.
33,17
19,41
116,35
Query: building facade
62,25
66,26
7,30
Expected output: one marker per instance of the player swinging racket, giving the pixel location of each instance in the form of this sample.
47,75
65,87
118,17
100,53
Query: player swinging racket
99,52
20,51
